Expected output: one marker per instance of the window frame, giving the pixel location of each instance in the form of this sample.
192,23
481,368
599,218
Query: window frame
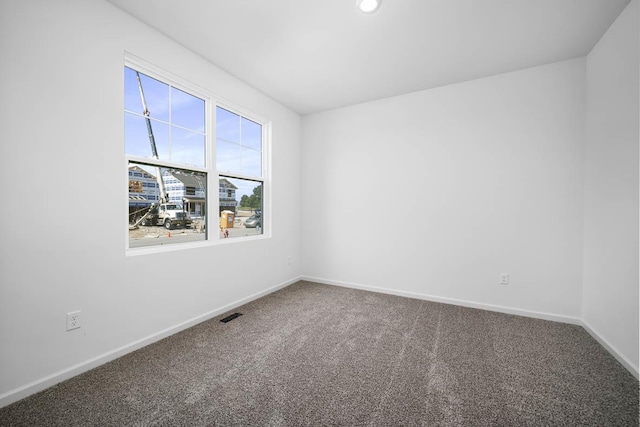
265,176
212,237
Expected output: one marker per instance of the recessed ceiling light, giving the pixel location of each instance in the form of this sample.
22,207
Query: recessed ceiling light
368,6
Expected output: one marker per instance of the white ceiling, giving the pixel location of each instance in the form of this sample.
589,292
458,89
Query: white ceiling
319,55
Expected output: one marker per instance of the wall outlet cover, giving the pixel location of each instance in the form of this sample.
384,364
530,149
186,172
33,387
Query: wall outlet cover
73,320
504,278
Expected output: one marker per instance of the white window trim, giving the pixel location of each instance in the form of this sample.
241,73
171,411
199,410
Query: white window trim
266,168
213,201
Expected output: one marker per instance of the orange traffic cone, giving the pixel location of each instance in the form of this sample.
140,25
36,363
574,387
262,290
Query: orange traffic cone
168,234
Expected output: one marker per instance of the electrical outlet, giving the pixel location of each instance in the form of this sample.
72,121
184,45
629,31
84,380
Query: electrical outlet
73,320
289,260
504,278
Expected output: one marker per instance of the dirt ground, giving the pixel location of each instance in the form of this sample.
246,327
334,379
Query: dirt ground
197,227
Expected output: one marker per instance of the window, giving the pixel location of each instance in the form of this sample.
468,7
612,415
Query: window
165,141
172,163
239,150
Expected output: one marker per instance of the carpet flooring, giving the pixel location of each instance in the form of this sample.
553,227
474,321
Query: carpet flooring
318,355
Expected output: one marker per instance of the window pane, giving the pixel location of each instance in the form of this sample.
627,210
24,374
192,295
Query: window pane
239,144
251,162
132,101
172,142
156,95
178,219
228,157
251,134
187,110
240,207
227,125
187,147
136,137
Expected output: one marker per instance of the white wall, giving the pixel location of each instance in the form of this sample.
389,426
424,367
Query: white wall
610,296
437,192
61,135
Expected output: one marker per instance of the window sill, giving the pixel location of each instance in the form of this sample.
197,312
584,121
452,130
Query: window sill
172,247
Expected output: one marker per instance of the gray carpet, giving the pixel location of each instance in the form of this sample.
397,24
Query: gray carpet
320,355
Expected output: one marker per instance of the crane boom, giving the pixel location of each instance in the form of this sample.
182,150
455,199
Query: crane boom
152,142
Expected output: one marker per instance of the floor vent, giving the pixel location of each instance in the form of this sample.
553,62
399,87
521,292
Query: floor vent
230,317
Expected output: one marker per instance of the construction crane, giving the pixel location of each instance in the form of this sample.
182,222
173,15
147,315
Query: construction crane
162,213
152,141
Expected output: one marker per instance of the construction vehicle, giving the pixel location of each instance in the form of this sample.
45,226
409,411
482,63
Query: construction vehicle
168,215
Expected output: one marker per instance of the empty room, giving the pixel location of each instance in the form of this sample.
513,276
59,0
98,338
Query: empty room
336,213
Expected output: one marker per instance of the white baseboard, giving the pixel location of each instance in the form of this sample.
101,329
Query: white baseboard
632,368
453,301
53,379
